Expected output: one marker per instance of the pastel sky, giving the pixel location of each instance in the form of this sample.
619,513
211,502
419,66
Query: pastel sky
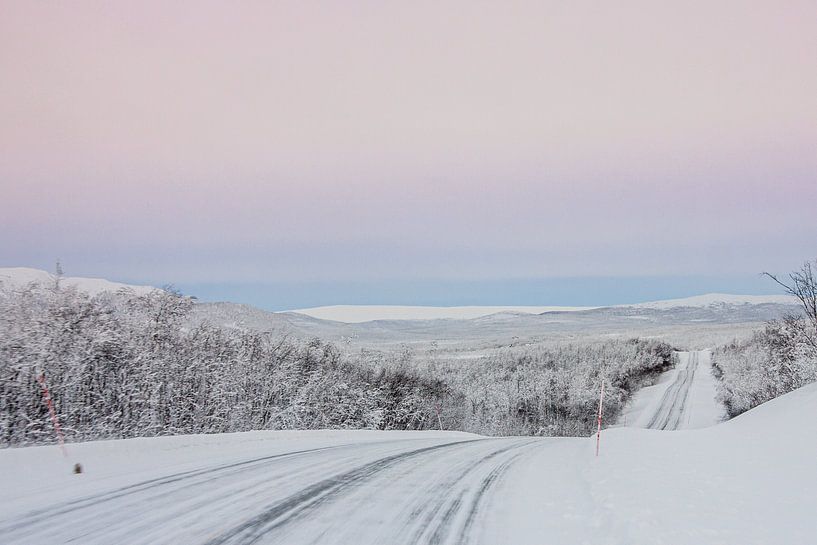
350,151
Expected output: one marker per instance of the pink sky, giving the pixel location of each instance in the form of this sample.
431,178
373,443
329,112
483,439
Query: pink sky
229,142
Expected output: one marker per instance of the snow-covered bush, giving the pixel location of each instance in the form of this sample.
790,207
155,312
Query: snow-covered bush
777,360
126,365
552,390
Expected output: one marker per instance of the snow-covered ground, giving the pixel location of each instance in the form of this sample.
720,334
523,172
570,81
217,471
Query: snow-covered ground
747,481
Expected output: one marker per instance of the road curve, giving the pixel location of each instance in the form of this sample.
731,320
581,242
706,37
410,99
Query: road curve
395,492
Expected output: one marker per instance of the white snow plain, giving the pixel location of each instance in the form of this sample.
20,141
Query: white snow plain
750,480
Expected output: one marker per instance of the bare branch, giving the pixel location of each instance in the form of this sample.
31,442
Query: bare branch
803,286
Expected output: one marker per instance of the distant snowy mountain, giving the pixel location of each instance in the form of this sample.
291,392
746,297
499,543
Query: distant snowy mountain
396,325
718,299
355,314
17,277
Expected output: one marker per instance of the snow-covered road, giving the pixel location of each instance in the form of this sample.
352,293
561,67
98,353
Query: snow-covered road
418,490
683,398
672,409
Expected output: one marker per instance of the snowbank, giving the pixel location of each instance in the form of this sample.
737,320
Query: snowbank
748,481
751,480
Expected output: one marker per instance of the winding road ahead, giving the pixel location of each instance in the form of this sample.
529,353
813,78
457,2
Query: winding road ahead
672,409
683,398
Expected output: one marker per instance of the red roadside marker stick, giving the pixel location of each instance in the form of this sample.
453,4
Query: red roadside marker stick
598,433
54,421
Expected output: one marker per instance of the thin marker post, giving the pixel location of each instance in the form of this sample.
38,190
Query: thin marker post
53,413
598,432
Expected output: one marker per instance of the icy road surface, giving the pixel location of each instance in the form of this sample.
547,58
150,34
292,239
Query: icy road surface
418,490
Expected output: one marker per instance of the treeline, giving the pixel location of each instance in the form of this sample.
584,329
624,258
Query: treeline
536,390
124,365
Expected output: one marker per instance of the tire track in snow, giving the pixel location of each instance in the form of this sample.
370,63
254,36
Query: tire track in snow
297,505
444,513
480,497
450,503
99,518
671,410
35,517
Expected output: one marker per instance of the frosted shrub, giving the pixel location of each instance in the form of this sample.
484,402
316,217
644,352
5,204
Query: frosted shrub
125,365
775,361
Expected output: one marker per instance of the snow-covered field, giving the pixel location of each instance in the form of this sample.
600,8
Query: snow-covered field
746,481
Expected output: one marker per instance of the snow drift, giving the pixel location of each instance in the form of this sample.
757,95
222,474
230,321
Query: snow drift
751,480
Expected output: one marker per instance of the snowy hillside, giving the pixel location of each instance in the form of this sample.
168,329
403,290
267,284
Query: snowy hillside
719,299
705,325
354,314
368,313
237,315
749,481
17,277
